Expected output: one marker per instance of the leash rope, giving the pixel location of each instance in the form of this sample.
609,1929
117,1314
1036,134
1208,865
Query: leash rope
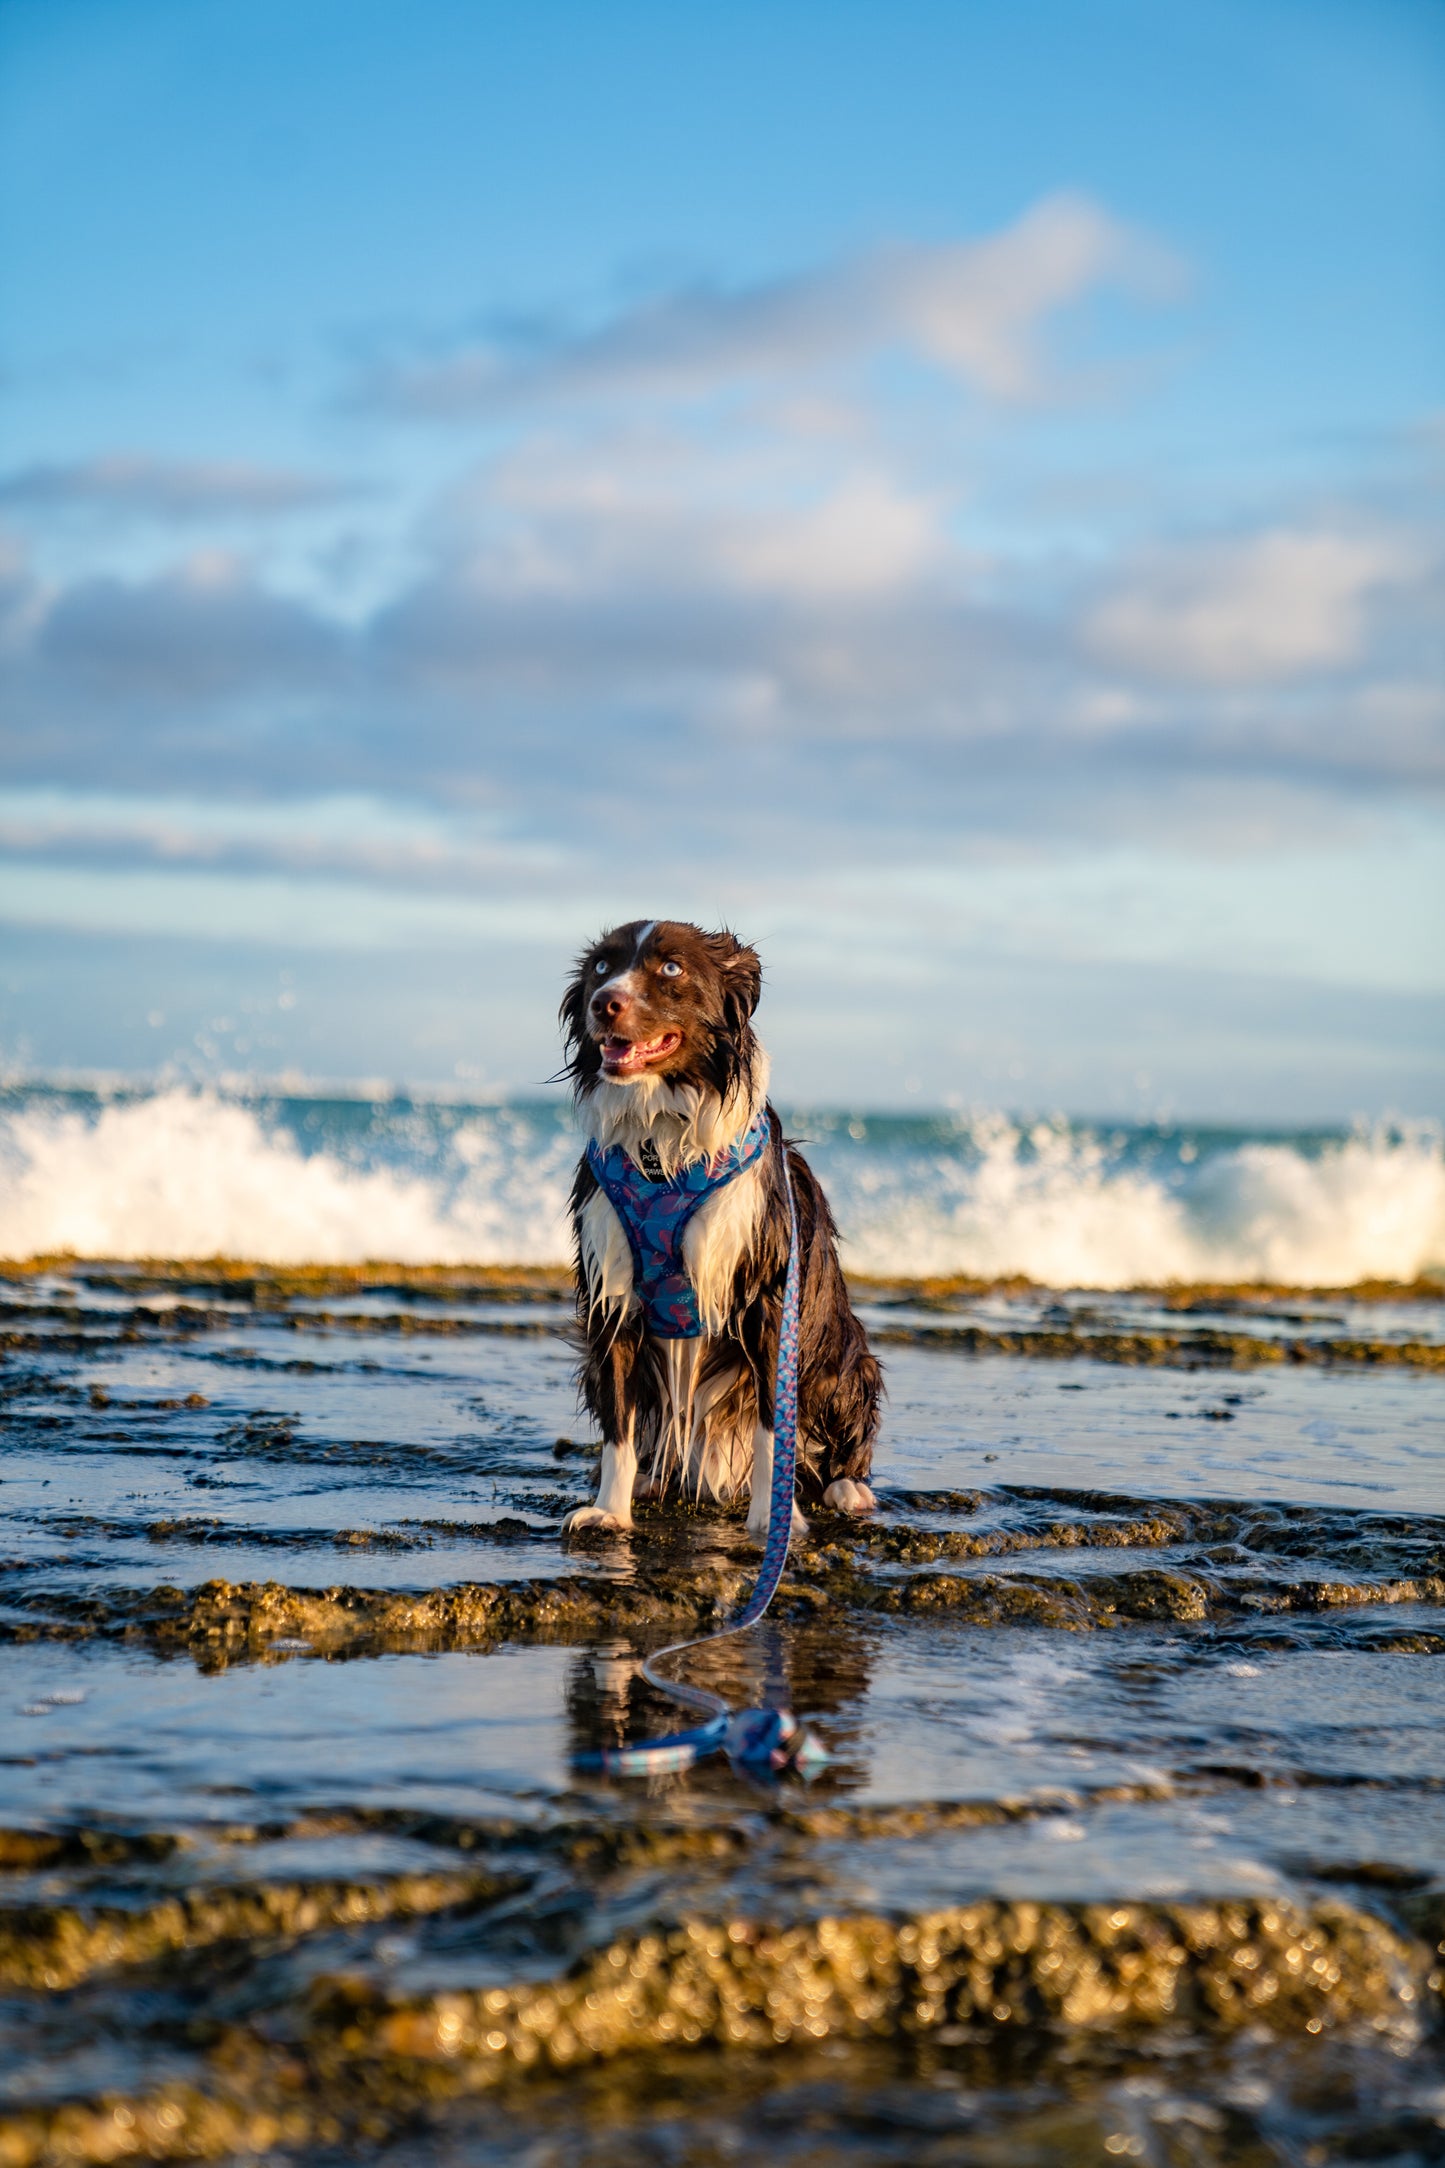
770,1738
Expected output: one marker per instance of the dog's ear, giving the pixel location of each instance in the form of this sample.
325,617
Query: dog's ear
570,1011
742,976
741,973
581,1055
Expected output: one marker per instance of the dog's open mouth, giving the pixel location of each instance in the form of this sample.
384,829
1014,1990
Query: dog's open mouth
628,1057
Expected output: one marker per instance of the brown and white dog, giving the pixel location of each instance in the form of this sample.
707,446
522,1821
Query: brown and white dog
666,1070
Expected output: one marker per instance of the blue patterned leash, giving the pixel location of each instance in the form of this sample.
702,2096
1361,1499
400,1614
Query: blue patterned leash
758,1738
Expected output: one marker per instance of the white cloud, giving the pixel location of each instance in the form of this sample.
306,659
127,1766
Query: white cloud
388,839
1265,607
703,521
593,611
866,537
976,310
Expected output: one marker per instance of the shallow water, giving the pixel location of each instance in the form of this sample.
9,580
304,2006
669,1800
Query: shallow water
1133,1682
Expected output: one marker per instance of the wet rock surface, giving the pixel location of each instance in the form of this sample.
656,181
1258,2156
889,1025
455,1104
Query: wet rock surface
1131,1845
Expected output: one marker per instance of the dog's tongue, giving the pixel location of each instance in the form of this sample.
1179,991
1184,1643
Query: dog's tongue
634,1053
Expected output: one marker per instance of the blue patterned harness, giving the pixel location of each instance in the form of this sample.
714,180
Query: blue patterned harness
655,1215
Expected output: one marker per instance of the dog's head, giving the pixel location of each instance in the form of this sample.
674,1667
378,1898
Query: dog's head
659,998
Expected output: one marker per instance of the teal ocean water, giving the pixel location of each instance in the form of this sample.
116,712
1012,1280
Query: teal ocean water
177,1171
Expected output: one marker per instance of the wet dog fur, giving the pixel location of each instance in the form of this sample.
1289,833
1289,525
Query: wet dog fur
664,1061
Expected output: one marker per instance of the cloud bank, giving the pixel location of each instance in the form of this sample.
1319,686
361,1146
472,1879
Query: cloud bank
718,581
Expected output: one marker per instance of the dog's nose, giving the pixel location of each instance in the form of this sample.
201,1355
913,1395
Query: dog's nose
608,1004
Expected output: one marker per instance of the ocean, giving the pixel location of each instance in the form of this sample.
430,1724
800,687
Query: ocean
173,1171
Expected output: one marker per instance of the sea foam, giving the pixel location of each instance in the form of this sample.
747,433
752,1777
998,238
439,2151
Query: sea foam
196,1173
190,1174
1071,1208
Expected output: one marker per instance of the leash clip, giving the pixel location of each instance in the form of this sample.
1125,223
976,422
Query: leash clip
773,1739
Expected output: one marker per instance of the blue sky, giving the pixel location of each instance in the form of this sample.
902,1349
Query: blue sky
953,490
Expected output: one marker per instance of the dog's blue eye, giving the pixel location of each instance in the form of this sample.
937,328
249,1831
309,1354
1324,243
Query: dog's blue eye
600,966
671,970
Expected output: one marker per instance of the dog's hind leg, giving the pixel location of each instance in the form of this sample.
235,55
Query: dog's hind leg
762,1485
614,1491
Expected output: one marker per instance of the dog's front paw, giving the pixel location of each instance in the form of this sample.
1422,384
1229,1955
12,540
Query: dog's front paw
846,1496
593,1517
758,1523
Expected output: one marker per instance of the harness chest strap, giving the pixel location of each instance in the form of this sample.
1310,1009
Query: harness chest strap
655,1216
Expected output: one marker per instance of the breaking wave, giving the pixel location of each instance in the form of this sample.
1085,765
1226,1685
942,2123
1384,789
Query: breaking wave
1071,1208
188,1173
192,1174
